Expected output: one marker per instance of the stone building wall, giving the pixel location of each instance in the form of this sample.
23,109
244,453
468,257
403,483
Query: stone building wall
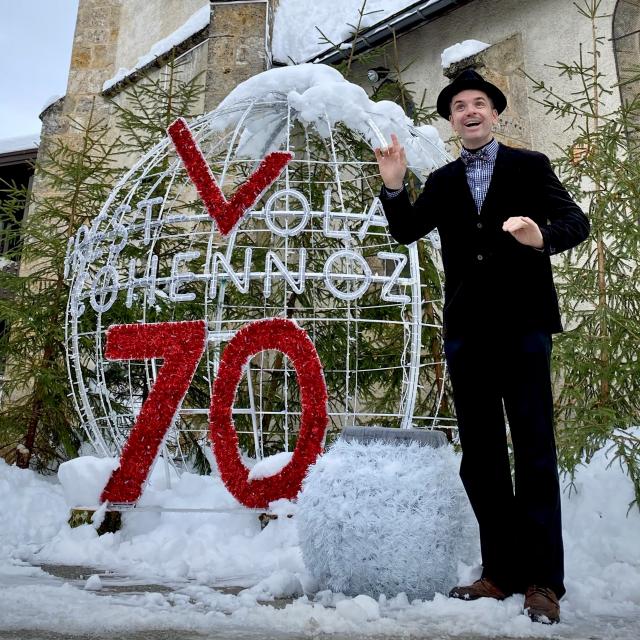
626,42
237,46
113,33
145,22
501,64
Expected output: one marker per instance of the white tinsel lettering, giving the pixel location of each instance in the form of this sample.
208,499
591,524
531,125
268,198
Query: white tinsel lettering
273,259
178,279
104,295
401,261
219,261
346,274
328,230
287,212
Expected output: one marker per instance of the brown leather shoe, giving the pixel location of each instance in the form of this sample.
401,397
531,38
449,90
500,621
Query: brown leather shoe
482,588
541,605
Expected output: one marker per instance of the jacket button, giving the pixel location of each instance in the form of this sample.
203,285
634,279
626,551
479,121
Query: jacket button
479,225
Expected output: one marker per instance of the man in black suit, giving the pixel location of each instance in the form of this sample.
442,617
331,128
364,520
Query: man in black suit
501,213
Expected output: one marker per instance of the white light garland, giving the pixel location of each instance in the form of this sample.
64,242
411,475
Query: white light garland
268,212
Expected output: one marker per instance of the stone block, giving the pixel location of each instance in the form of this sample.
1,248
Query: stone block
503,65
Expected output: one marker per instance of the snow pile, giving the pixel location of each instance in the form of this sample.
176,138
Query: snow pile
33,512
218,540
195,554
385,518
93,583
83,479
602,545
320,97
199,20
462,50
270,466
296,38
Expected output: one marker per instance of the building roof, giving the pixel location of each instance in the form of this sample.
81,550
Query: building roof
19,149
410,18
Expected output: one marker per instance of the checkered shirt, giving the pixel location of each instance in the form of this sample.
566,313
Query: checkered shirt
479,169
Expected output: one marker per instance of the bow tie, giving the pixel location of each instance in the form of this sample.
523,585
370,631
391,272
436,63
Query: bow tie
469,156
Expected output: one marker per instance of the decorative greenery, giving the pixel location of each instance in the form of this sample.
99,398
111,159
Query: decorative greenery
38,421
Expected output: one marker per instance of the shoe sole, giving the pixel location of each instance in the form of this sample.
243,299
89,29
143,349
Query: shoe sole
541,618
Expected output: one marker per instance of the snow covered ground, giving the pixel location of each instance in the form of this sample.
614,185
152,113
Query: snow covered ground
197,556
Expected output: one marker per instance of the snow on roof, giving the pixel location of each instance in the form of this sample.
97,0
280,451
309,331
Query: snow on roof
49,101
320,96
198,21
462,50
20,143
296,38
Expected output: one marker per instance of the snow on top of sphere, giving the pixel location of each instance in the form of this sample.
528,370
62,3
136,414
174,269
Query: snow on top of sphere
320,96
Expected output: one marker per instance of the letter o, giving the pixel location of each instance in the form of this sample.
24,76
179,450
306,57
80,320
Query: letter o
286,336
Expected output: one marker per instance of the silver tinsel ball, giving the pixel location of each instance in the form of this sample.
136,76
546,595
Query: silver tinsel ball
385,517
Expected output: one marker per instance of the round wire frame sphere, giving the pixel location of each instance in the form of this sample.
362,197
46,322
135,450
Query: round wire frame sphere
314,248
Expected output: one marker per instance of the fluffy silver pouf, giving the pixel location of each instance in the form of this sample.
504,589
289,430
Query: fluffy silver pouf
385,518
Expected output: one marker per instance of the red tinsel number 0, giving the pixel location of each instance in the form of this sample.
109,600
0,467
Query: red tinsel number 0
181,345
282,335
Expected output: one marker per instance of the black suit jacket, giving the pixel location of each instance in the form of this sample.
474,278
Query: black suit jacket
493,282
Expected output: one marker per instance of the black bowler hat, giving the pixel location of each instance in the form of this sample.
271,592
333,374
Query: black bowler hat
469,79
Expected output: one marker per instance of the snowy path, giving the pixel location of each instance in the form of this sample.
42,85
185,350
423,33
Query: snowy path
218,575
38,605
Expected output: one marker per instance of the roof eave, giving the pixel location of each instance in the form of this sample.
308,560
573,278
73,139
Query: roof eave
399,23
18,157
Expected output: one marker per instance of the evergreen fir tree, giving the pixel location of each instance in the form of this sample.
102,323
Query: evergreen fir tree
38,422
596,358
434,392
39,425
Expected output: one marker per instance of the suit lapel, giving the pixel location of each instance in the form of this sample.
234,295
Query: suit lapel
498,178
462,186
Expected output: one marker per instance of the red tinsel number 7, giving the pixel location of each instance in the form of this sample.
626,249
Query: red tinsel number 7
181,345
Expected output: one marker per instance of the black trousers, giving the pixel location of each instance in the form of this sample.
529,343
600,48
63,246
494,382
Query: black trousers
520,522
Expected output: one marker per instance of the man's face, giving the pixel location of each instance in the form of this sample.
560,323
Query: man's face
473,117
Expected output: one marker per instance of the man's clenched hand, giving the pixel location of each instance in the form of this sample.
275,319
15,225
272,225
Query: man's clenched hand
525,231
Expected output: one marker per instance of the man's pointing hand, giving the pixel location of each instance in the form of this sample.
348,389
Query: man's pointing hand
393,164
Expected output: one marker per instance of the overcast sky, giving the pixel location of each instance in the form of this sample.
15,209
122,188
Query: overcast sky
35,50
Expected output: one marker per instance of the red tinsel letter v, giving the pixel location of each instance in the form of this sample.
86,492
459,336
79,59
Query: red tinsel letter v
225,212
180,345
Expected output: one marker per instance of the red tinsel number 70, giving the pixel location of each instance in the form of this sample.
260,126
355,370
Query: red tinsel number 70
181,345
